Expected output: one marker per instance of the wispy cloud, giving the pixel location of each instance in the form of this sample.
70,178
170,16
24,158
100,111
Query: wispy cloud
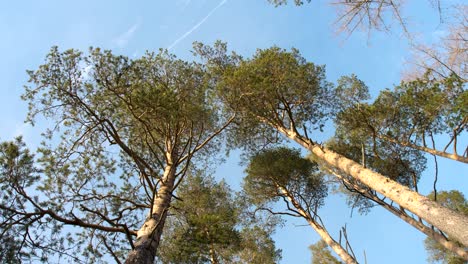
186,34
123,39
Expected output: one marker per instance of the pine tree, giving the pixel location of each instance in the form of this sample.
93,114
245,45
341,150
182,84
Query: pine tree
205,226
277,91
123,134
282,174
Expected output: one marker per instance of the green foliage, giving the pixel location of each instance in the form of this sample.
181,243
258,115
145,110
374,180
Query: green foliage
17,173
424,106
274,82
454,200
362,128
205,224
321,254
115,125
257,246
206,217
272,169
351,91
401,164
413,112
275,87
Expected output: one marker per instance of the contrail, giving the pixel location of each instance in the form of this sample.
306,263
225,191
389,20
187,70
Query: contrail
197,25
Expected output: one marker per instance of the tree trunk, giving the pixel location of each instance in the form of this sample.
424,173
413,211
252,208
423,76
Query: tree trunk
149,235
442,240
323,233
448,221
450,245
213,257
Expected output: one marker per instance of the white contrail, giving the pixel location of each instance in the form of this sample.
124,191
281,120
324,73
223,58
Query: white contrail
197,25
125,37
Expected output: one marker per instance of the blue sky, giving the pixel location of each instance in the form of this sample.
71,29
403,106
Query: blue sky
30,28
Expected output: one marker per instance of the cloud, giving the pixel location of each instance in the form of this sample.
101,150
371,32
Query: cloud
186,34
125,37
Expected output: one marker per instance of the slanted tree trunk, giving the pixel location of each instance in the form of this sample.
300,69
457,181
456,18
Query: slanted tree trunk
453,156
442,240
149,235
323,233
445,219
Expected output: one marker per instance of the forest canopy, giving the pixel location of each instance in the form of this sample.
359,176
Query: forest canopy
127,170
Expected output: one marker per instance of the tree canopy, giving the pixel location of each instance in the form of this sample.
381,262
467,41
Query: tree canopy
207,226
282,173
125,132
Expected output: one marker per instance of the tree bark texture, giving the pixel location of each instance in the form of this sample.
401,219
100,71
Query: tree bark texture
448,221
149,235
442,240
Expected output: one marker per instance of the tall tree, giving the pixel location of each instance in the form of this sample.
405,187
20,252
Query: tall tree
150,116
286,94
455,200
282,173
367,15
379,15
357,139
448,56
364,198
412,115
206,227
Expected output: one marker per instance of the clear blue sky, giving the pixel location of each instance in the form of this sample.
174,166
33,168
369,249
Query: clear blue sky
30,28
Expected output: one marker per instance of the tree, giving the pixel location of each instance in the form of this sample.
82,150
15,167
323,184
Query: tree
257,246
368,15
361,197
283,92
204,224
17,172
378,14
411,115
282,174
456,201
446,57
124,134
359,138
321,254
206,227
